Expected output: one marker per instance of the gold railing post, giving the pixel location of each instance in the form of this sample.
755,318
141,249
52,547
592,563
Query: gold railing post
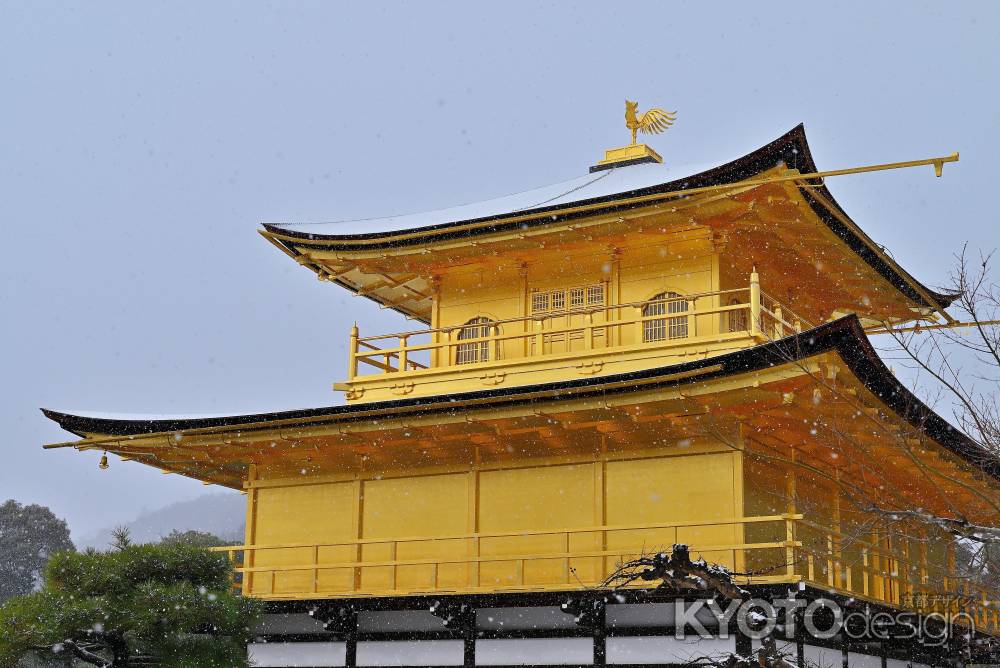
447,349
402,353
790,547
315,571
393,552
589,325
692,320
352,360
830,562
779,327
866,573
476,553
539,337
754,304
493,352
567,569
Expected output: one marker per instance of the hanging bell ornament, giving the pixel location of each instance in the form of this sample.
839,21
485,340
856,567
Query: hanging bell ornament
104,462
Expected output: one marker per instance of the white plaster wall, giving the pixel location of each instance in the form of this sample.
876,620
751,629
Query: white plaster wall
410,653
528,651
654,650
823,657
863,660
296,654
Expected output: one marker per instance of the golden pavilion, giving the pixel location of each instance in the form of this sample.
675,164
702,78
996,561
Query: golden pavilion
606,367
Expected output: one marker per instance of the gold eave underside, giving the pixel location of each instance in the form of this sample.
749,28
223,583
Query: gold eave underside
795,249
816,406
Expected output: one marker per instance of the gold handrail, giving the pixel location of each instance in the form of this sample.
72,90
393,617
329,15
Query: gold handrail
561,330
753,325
583,310
530,532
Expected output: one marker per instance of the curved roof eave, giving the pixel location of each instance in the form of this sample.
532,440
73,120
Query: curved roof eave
845,336
791,150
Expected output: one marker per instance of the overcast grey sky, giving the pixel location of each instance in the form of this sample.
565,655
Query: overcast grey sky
142,143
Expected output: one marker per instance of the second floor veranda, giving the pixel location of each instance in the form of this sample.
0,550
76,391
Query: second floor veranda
578,335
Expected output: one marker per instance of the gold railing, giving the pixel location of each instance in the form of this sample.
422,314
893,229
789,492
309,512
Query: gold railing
735,313
525,560
766,549
881,567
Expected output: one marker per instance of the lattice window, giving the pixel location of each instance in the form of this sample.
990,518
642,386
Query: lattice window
665,328
477,351
595,294
539,302
555,301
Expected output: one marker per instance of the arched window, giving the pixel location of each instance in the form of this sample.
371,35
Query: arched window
665,328
477,351
738,317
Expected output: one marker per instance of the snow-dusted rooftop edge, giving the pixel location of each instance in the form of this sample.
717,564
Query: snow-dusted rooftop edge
612,181
149,417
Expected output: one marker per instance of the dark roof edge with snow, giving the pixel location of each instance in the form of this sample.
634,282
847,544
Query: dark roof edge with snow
845,336
791,149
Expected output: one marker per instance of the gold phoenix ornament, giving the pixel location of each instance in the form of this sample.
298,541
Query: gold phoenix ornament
652,122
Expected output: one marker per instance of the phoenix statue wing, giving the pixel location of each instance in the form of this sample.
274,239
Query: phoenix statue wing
655,121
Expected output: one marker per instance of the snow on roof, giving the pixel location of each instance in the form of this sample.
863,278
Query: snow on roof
143,417
598,184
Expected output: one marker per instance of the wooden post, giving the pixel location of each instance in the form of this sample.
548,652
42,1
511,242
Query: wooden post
779,328
875,561
469,641
352,360
613,293
600,633
836,544
447,361
435,352
357,530
524,309
589,331
754,304
351,640
250,532
493,352
789,547
402,354
830,562
315,570
866,572
791,492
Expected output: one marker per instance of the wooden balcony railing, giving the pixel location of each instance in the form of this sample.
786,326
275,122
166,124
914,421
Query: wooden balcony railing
495,561
675,322
776,549
891,569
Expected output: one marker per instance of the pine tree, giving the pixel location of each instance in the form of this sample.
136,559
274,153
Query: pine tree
168,604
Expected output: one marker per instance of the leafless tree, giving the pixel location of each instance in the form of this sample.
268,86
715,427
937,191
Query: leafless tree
959,370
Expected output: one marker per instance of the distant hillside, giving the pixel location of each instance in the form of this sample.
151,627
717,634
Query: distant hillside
220,514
